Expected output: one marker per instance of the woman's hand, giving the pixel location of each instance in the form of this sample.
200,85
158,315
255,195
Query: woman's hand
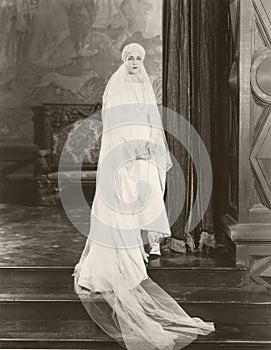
144,254
143,151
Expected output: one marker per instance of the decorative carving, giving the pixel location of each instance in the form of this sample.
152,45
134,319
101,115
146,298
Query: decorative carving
47,191
61,115
261,157
54,122
43,166
249,231
261,75
262,22
258,266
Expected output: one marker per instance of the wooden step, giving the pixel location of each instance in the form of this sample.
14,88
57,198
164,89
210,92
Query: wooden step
227,312
246,294
78,335
100,345
231,305
165,271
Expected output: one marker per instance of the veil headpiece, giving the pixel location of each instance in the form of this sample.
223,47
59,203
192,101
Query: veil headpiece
121,76
119,93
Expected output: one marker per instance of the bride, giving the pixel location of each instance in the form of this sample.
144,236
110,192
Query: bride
111,277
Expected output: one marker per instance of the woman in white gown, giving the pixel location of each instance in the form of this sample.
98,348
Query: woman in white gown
111,277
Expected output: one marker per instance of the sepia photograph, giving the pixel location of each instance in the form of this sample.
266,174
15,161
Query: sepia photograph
135,189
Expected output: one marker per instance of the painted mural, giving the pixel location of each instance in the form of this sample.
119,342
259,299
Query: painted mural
66,50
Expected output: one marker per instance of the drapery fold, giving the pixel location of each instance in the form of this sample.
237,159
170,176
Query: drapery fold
194,34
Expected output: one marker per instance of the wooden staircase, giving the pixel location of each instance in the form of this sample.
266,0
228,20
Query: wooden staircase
39,310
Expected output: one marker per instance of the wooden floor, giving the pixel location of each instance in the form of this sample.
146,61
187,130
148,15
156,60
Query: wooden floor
35,236
39,310
44,236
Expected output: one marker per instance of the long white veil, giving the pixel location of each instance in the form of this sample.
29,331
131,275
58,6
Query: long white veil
111,278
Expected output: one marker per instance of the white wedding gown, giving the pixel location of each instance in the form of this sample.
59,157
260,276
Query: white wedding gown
111,277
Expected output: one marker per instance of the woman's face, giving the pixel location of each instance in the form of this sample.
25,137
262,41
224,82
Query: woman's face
133,62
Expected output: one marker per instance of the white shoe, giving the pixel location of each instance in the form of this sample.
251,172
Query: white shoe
155,248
